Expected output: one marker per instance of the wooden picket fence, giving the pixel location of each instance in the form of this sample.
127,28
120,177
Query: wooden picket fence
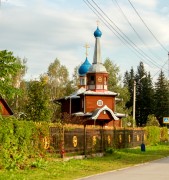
93,140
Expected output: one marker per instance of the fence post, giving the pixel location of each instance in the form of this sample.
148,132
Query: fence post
85,140
102,139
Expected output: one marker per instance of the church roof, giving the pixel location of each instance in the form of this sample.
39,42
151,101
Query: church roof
84,68
89,92
97,68
82,90
97,33
97,112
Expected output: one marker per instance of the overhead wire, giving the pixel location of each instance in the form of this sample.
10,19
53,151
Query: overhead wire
137,34
135,31
107,25
150,32
148,27
160,69
122,35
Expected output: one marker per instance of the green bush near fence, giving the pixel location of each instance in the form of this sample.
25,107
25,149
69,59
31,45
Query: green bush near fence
154,135
20,141
164,134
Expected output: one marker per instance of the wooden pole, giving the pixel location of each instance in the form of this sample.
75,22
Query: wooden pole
85,140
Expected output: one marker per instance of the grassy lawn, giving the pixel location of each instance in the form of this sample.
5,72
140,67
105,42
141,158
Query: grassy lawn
55,168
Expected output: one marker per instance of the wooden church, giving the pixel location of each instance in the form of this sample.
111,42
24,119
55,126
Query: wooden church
93,103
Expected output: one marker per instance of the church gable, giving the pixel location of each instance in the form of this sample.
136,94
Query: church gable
102,113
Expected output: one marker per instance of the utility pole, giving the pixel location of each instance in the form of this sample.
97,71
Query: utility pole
134,100
134,103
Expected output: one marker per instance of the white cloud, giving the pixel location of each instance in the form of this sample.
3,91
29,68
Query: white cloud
19,3
42,32
146,3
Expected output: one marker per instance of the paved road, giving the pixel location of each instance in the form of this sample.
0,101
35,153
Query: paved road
155,170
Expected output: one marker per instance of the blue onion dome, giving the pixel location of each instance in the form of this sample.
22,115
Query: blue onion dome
97,33
84,67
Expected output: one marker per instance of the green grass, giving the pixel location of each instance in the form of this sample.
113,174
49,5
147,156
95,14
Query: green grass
55,168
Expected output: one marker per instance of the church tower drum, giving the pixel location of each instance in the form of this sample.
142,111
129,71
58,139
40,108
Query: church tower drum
97,75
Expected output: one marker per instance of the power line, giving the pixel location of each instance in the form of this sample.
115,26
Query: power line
111,28
147,26
160,69
117,30
137,34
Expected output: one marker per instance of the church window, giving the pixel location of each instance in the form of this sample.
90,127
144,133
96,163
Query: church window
92,79
100,103
82,82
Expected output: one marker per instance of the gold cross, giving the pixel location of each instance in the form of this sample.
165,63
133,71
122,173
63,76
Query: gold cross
86,46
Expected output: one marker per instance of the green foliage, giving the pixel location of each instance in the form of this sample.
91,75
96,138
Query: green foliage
59,85
77,168
164,134
110,151
144,93
20,140
114,84
10,66
128,83
128,121
38,102
152,135
152,120
161,98
114,77
39,163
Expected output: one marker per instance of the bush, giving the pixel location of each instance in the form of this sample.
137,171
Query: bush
164,134
152,121
152,135
19,140
110,151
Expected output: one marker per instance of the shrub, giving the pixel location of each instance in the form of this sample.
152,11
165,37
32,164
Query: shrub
152,135
19,140
152,121
164,134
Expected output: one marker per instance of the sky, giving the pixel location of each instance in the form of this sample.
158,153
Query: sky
43,30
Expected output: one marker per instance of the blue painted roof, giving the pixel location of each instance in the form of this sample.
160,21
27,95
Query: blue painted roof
97,33
84,67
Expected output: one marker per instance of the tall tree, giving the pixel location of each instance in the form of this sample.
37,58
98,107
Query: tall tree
10,66
38,102
114,77
59,84
144,95
161,98
129,83
17,103
58,78
114,84
76,80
